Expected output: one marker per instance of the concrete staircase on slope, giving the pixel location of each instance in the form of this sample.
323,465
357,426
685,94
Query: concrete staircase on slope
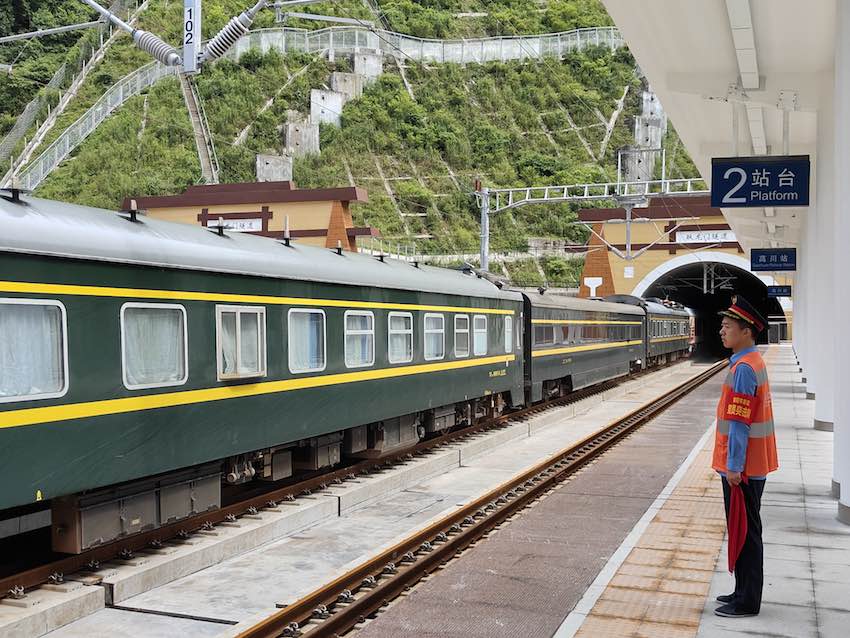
200,127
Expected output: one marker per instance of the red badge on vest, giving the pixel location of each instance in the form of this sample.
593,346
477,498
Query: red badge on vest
740,407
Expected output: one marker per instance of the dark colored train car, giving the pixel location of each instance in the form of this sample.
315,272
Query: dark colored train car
574,343
667,329
164,358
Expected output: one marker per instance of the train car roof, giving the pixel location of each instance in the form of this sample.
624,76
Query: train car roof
660,309
651,306
47,227
583,305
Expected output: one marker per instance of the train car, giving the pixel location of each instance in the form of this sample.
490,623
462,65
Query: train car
145,363
573,343
667,328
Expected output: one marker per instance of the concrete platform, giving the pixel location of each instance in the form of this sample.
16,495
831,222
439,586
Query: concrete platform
634,545
669,575
371,513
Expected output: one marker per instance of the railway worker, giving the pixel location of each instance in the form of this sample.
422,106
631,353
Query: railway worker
745,447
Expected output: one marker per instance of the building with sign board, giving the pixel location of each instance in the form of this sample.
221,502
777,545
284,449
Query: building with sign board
680,248
315,216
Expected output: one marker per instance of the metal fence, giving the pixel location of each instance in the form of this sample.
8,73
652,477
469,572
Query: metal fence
25,120
127,87
347,40
342,40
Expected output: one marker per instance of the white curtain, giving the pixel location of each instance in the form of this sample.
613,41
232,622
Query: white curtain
228,343
434,331
153,346
249,344
306,341
480,335
31,350
401,338
359,340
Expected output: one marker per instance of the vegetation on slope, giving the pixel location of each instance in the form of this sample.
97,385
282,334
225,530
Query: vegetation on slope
510,124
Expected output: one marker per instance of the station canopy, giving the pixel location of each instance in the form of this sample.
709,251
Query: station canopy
758,57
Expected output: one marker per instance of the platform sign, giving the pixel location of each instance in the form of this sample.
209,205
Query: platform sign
771,259
778,291
755,182
191,35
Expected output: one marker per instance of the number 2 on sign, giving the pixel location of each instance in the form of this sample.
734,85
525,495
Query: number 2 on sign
727,198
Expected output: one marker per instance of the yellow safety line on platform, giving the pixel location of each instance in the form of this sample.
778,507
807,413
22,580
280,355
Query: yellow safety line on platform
189,295
586,322
49,414
594,346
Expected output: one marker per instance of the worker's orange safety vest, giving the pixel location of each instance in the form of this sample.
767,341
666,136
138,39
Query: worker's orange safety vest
756,412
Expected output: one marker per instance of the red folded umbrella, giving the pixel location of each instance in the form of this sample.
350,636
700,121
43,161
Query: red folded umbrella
736,523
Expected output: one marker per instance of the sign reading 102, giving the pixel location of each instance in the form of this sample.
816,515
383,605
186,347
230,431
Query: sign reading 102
191,35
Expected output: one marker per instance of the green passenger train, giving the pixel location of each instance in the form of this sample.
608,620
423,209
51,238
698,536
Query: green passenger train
145,364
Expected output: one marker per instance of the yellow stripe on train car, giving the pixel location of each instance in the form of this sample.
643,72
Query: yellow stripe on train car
592,346
189,295
67,412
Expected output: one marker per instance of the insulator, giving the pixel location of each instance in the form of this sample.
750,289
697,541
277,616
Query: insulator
226,38
160,50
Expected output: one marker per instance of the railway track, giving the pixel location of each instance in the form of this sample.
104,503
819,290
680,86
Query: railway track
339,606
15,585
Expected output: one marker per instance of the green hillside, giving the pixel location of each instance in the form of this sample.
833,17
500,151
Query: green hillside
509,124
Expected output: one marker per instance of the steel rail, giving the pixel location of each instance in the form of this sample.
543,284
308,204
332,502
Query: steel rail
337,607
123,548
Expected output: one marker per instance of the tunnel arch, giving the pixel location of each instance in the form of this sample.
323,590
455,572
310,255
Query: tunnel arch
681,279
704,256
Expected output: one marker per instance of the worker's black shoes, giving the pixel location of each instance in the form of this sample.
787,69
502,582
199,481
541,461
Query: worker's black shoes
726,598
730,611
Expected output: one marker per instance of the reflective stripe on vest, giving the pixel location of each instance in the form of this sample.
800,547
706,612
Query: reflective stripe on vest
761,457
757,430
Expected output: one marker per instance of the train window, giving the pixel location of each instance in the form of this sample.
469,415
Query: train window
359,338
400,337
509,336
307,338
461,335
33,350
435,336
479,338
241,341
154,347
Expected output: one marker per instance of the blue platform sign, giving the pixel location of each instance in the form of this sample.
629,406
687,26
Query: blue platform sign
754,182
771,259
778,291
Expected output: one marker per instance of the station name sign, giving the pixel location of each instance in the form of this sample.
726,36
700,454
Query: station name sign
705,236
778,291
772,259
754,182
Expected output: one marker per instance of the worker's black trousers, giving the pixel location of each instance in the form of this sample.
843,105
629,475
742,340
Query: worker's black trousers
749,569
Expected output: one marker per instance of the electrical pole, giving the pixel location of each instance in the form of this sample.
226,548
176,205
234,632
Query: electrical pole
484,204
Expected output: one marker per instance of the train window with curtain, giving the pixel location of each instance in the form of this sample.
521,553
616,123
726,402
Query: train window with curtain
154,348
400,337
33,350
461,336
479,338
509,333
359,339
435,336
306,340
241,340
